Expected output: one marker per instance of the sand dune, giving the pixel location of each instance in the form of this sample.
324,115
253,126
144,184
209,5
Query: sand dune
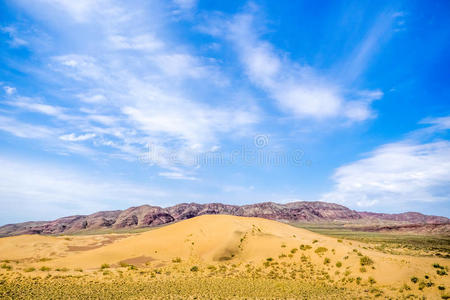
218,239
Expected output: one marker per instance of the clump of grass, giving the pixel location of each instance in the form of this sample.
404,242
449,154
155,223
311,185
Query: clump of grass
123,264
320,250
441,272
414,279
44,269
438,266
44,259
30,269
326,261
362,270
294,250
305,247
62,270
176,260
78,270
194,269
365,261
105,266
338,264
6,267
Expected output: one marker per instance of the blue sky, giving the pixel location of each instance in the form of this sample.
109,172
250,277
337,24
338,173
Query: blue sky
110,104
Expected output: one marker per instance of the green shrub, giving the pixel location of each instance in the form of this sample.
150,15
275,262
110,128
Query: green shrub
338,264
194,269
294,250
365,261
321,250
414,279
441,272
44,269
30,269
305,247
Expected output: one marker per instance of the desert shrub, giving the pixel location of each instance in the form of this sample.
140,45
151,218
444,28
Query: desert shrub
305,247
269,259
362,270
283,246
441,287
294,250
338,264
441,272
282,255
44,269
339,241
371,280
315,241
194,269
211,267
6,267
426,276
78,270
326,261
358,280
422,285
346,257
414,279
438,266
132,267
104,266
123,264
30,269
176,260
365,261
321,250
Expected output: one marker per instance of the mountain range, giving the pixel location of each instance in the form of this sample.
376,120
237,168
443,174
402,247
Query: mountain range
295,212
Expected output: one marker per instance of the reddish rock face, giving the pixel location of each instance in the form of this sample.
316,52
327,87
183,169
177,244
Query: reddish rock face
148,216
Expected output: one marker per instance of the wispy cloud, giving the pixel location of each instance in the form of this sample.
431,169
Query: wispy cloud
298,89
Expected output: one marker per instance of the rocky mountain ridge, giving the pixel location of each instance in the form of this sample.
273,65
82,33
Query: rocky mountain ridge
150,216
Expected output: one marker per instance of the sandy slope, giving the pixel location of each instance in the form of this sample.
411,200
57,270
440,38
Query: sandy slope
213,239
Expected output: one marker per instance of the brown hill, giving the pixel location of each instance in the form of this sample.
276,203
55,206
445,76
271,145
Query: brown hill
150,216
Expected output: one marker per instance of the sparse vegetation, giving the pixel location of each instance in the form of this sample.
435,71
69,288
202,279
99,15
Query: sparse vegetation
338,264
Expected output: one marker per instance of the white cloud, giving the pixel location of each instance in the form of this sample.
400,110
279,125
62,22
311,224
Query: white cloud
25,130
15,39
9,90
176,176
74,138
395,174
141,42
